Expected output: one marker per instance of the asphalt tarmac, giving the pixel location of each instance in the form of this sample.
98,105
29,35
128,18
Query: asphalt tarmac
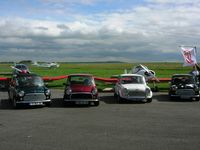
160,125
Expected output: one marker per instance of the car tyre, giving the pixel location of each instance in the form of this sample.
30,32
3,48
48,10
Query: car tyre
149,100
197,99
48,104
119,99
115,95
96,103
171,98
14,104
9,98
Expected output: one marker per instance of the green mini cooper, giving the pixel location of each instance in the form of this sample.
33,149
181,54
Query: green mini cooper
28,89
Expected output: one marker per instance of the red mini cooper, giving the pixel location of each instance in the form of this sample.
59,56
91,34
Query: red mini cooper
81,89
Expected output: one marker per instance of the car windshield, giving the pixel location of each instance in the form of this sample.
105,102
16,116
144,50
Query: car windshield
131,80
27,81
81,80
183,80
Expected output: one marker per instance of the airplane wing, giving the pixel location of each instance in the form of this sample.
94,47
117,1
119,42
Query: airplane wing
161,80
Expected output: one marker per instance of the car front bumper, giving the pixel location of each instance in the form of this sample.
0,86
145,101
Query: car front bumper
34,102
184,96
135,98
81,100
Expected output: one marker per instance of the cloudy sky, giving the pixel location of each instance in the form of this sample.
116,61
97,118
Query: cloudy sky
98,30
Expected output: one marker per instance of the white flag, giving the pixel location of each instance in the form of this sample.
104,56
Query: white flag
189,55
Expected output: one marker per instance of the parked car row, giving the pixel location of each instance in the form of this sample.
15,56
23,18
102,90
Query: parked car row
29,89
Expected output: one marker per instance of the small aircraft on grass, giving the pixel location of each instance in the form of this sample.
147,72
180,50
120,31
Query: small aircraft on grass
23,69
149,75
46,65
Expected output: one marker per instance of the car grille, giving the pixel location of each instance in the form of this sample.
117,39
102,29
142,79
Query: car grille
81,96
136,93
34,97
185,92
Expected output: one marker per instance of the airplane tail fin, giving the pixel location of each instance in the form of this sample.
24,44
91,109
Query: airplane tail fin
35,63
125,71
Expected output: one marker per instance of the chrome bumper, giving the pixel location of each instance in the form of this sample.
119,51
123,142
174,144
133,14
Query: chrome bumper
33,102
81,100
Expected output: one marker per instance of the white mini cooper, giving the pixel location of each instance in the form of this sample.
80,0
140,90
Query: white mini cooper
132,87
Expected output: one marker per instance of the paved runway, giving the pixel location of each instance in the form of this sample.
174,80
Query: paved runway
160,125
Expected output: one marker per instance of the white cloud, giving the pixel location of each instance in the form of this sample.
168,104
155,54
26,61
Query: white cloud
174,1
84,2
149,33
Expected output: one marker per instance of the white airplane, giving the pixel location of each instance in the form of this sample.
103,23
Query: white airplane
144,71
46,65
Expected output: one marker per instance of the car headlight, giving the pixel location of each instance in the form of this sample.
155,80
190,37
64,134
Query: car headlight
174,87
21,93
94,91
148,92
68,91
196,89
47,92
125,92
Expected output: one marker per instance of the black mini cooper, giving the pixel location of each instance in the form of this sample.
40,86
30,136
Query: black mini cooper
184,86
28,89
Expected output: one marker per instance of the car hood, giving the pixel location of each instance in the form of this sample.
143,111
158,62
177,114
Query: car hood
82,88
40,89
133,87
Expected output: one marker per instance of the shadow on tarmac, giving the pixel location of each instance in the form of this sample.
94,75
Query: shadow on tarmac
109,99
164,97
112,100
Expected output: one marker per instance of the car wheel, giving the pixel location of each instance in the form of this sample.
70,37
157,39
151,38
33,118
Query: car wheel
48,104
9,98
197,99
96,103
115,95
119,99
149,100
66,104
14,104
171,98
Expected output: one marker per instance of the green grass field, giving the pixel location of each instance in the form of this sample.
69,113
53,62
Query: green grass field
102,70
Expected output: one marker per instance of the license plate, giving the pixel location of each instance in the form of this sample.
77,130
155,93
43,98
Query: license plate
35,103
82,102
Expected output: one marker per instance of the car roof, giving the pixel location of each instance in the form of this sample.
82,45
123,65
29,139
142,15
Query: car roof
180,75
127,75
